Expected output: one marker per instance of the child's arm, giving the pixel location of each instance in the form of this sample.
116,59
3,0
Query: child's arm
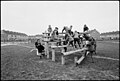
63,29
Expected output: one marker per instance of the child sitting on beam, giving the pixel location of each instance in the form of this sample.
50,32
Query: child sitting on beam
40,48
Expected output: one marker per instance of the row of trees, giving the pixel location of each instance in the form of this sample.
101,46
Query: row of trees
10,36
14,33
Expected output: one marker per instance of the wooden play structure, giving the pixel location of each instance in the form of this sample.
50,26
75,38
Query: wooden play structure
52,45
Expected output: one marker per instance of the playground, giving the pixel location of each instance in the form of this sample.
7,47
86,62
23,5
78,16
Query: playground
18,64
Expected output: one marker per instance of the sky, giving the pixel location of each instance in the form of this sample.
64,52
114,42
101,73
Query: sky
33,17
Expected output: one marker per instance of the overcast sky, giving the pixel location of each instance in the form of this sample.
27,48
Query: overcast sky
33,17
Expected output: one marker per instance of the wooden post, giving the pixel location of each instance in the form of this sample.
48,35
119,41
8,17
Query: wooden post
47,50
80,60
63,59
53,54
75,59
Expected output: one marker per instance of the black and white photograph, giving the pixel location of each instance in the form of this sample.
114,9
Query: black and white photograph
60,40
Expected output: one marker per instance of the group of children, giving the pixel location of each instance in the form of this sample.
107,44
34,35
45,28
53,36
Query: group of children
70,37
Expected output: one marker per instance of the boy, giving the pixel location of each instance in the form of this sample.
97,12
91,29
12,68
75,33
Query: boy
40,48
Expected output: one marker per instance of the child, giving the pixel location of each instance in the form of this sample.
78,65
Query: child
55,34
76,39
49,30
67,30
85,30
40,48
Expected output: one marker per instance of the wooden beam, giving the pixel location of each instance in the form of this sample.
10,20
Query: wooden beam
48,41
53,41
51,36
70,52
58,33
80,60
46,36
59,46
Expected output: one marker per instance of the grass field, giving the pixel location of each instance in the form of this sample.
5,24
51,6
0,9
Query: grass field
18,64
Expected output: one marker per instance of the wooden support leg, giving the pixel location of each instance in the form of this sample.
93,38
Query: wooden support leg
46,50
63,60
75,59
37,52
48,54
53,54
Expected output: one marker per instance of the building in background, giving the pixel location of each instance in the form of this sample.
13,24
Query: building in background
95,34
110,35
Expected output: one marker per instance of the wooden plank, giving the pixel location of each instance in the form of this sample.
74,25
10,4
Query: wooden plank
59,46
46,36
48,41
58,33
70,52
53,41
80,60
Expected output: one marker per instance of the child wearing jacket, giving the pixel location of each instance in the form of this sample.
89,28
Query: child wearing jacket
40,48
